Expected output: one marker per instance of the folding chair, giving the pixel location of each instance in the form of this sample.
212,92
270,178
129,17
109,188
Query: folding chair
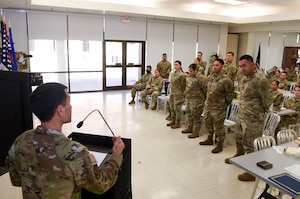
285,136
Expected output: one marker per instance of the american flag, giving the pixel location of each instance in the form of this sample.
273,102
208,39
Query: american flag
6,48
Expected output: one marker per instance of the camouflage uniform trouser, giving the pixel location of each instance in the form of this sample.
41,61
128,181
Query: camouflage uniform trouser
194,109
137,87
154,95
175,103
247,130
214,123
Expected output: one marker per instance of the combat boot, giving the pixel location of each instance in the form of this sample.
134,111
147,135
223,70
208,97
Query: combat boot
240,151
246,177
176,125
194,135
146,105
154,106
218,148
208,141
172,122
189,129
132,102
169,117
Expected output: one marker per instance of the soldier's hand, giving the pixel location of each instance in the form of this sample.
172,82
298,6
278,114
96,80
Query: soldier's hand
118,145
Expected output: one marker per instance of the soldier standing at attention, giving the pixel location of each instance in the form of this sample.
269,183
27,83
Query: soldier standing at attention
202,64
153,87
230,67
176,96
195,95
140,84
220,92
210,70
46,164
255,101
164,67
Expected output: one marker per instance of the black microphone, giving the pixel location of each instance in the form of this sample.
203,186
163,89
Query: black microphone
81,123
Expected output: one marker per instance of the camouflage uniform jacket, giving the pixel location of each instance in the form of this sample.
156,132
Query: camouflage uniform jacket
277,98
177,83
144,79
285,84
210,71
292,77
270,74
230,70
196,87
293,103
156,83
201,67
220,92
164,67
255,98
46,164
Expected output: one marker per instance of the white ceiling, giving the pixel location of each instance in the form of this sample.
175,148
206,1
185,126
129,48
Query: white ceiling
253,11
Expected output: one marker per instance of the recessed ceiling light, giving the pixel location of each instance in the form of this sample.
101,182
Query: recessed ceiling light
231,2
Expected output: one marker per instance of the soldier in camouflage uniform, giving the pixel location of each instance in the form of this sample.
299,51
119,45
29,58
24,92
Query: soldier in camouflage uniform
255,101
164,67
195,95
220,92
153,87
283,83
202,64
290,74
46,164
210,68
272,73
291,103
276,76
229,68
277,96
176,96
140,84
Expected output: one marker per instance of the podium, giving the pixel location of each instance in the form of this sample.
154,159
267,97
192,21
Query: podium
122,189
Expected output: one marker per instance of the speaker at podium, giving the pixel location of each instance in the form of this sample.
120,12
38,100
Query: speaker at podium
122,189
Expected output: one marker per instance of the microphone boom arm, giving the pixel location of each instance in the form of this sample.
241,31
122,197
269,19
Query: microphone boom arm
81,123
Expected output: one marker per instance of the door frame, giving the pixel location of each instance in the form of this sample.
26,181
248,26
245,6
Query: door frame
123,64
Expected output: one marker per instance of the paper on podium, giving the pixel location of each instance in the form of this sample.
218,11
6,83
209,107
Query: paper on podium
99,156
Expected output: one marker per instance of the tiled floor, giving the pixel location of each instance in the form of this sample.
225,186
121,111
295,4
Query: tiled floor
165,163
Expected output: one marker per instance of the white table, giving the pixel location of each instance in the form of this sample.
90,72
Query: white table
279,161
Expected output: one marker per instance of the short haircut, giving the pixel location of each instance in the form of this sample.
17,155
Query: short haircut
283,72
164,54
193,66
46,98
230,53
149,67
247,57
276,81
278,71
200,53
215,56
177,61
221,61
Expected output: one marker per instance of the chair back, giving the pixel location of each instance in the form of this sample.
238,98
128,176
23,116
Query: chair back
295,127
271,122
285,136
286,96
292,87
263,142
234,108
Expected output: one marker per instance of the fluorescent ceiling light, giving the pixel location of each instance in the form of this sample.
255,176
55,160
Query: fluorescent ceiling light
231,2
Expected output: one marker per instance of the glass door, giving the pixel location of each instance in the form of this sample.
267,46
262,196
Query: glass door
124,63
